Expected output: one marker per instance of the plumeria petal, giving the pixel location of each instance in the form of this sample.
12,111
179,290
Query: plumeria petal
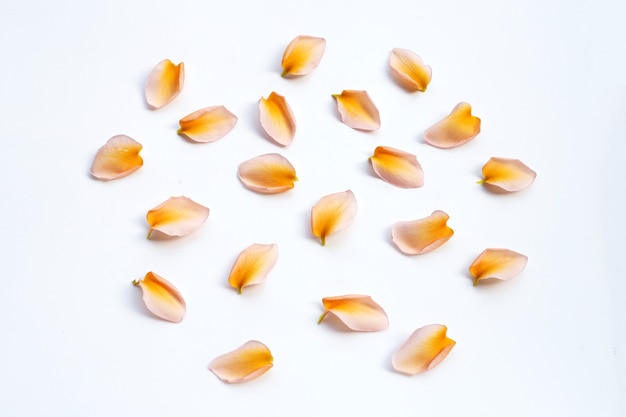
277,119
267,174
178,216
507,175
302,55
409,69
247,362
164,83
357,110
455,129
208,124
397,167
332,213
423,235
252,265
162,298
118,158
358,312
423,350
500,264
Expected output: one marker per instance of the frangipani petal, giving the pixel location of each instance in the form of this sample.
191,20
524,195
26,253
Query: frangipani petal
247,362
409,70
358,312
302,55
423,350
208,124
357,110
507,175
332,213
277,119
423,235
164,83
117,158
267,174
252,265
178,216
500,264
454,130
162,298
397,167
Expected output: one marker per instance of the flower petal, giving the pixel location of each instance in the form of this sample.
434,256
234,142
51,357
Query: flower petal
397,167
252,265
178,216
423,350
117,158
358,312
164,83
423,235
302,55
277,119
247,362
409,70
267,174
507,175
357,110
332,213
500,264
455,129
208,124
162,298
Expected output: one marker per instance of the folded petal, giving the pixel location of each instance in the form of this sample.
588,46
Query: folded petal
208,124
500,264
178,216
507,175
358,312
117,158
357,110
162,298
423,235
455,129
397,167
252,265
302,55
164,83
333,213
277,119
267,174
409,70
423,350
247,362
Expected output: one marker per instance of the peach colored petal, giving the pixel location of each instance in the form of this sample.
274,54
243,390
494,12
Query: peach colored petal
302,55
397,167
117,158
357,110
332,213
164,83
208,124
423,235
247,362
358,312
252,265
267,174
178,216
409,70
423,350
162,298
277,119
500,264
507,175
454,130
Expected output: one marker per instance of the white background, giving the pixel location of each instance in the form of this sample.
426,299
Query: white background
547,78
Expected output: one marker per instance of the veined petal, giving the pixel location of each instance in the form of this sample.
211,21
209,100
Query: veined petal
208,124
409,69
357,110
423,235
302,55
277,119
178,216
252,265
500,264
332,213
358,312
162,298
507,175
397,167
164,83
423,350
247,362
455,129
117,158
267,174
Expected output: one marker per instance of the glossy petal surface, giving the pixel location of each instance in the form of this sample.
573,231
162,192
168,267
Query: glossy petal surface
302,55
164,83
252,265
267,174
277,119
357,110
409,70
397,167
247,362
208,124
332,214
358,312
178,216
421,236
423,350
118,158
500,264
162,298
454,130
507,175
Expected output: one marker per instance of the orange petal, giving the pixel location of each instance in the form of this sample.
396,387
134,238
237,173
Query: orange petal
118,158
162,298
164,83
423,350
252,265
423,235
507,175
357,110
455,129
277,119
302,55
397,167
358,312
497,263
409,70
247,362
333,213
267,174
208,124
178,216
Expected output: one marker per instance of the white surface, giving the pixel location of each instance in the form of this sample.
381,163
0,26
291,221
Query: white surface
547,79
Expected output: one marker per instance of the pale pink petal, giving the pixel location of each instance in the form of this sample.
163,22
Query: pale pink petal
252,265
500,264
164,83
302,55
409,70
247,362
358,312
507,175
397,167
162,298
454,130
277,119
118,158
178,216
267,174
423,235
208,124
423,350
357,110
332,214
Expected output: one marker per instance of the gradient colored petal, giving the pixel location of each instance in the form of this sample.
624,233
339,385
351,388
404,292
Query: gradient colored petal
178,216
507,175
164,83
162,298
302,55
247,362
423,235
397,167
500,264
357,110
423,350
409,70
277,119
208,124
267,174
117,158
454,130
358,312
252,265
333,213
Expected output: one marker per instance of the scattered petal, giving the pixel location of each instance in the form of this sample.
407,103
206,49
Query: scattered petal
358,312
277,119
397,167
500,264
332,213
247,362
507,175
455,129
164,83
178,216
423,350
252,265
357,110
208,124
162,298
303,54
117,158
409,70
423,235
267,174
